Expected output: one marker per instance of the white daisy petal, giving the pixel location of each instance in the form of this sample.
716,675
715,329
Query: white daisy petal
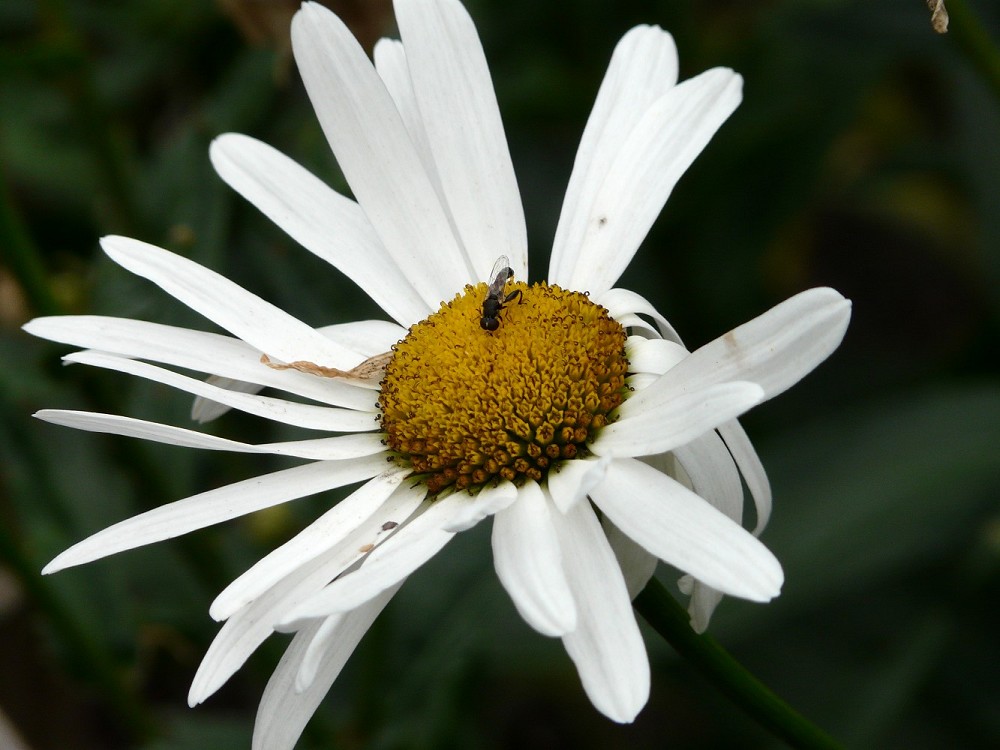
318,218
490,500
712,472
641,381
704,600
250,625
705,466
392,67
284,711
334,636
357,520
623,304
643,67
277,410
323,449
193,350
113,424
376,155
222,504
636,563
367,337
529,564
751,468
637,326
653,355
458,106
713,475
318,644
243,314
282,714
684,530
669,465
606,646
653,156
411,546
670,417
774,350
570,481
203,408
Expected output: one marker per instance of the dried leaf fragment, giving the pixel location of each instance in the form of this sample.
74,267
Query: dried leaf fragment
939,16
369,372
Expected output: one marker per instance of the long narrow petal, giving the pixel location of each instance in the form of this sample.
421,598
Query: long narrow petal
222,504
359,520
394,70
712,472
321,637
713,475
367,337
570,481
636,562
652,158
193,350
704,600
243,314
323,449
684,530
203,408
671,417
376,155
333,637
529,564
704,469
654,356
318,218
454,91
643,67
250,625
606,646
624,304
391,64
329,419
411,546
283,711
490,500
751,468
774,350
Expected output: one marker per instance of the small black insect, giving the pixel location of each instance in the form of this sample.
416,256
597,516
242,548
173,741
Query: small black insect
495,301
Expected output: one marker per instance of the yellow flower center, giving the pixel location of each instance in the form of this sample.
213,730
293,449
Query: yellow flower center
464,406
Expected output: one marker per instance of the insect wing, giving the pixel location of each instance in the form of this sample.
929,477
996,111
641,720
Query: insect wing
498,276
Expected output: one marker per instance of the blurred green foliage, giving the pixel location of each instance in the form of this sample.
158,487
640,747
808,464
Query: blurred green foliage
865,156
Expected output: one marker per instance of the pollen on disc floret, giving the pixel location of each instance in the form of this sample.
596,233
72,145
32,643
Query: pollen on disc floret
465,407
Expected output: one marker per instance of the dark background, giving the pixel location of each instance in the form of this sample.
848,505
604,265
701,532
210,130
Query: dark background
865,157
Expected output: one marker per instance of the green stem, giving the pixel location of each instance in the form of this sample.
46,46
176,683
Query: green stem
970,35
667,617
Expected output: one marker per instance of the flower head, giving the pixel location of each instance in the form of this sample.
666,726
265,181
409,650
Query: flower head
569,411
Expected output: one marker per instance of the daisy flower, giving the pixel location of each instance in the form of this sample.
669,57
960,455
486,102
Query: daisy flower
569,410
